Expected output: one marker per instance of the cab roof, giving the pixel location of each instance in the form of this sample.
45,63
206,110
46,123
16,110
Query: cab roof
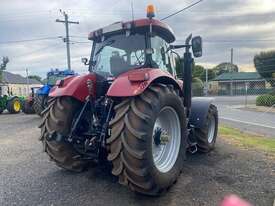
159,28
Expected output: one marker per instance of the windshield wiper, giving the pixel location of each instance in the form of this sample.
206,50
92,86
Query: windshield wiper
107,44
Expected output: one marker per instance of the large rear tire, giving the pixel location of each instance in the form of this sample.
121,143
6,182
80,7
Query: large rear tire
39,103
135,141
57,120
207,135
14,105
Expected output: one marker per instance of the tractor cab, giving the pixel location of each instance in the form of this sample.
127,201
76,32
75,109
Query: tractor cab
125,46
54,75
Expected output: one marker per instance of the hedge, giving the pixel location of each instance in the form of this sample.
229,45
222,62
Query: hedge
265,100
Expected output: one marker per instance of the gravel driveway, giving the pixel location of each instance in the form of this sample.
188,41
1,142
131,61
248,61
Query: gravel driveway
27,177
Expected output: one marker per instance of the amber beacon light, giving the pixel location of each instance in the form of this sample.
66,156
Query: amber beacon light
150,11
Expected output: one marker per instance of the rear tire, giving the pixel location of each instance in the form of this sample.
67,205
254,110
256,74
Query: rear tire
14,105
27,107
131,143
39,103
206,136
57,120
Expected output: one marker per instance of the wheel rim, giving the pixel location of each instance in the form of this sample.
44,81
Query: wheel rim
16,106
166,139
211,129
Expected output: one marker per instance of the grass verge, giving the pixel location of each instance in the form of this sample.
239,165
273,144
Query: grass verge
247,140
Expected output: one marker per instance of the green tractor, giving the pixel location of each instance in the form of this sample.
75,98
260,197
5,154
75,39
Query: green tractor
12,103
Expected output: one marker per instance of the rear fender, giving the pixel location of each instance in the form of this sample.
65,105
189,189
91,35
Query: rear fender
74,86
45,90
199,111
135,82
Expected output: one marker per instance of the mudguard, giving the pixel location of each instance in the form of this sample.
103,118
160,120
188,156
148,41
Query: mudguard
74,86
134,82
199,110
45,90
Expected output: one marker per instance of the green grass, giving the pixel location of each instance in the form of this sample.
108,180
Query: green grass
248,140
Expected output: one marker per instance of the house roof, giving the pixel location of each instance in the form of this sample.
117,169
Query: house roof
238,76
11,78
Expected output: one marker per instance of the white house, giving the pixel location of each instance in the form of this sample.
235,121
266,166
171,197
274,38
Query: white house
15,84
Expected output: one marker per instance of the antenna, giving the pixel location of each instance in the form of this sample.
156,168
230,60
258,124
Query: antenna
185,8
132,8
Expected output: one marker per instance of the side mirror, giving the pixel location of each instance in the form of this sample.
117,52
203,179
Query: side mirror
197,46
84,61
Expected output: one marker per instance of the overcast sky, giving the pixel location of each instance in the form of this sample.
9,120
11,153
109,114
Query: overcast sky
248,26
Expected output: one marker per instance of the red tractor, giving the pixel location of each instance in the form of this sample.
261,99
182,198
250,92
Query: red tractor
131,110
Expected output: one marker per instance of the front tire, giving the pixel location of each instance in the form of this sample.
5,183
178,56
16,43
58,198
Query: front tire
57,121
207,135
133,141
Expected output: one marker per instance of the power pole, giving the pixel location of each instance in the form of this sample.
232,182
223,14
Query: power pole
206,82
232,51
28,82
231,71
67,40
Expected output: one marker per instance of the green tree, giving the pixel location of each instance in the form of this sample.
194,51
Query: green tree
225,67
3,66
265,65
197,71
36,77
200,72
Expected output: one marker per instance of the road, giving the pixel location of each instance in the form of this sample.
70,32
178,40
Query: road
255,122
27,177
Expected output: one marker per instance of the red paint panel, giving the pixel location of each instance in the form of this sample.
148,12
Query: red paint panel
123,87
75,86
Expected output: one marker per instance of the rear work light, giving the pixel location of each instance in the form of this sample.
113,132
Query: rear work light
138,77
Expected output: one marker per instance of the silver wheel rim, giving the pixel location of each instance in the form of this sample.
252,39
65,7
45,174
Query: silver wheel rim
166,148
211,129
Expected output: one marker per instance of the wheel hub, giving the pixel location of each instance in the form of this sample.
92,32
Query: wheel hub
16,106
161,137
166,139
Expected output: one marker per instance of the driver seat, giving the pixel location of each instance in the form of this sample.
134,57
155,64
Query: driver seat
117,64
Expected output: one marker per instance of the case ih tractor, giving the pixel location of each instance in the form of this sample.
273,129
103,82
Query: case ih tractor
131,110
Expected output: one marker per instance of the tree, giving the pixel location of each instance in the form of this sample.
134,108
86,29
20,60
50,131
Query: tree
197,71
36,77
3,66
265,65
200,72
225,67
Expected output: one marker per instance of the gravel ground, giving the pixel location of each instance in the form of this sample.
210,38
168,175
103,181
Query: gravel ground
27,177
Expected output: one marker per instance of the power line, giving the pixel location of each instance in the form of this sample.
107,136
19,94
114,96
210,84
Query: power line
29,40
35,51
187,7
234,40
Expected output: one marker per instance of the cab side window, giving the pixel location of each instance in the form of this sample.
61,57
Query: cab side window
160,56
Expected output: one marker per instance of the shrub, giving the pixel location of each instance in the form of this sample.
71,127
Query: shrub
197,87
265,100
272,92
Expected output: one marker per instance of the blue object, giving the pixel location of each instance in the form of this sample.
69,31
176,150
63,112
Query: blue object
52,77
